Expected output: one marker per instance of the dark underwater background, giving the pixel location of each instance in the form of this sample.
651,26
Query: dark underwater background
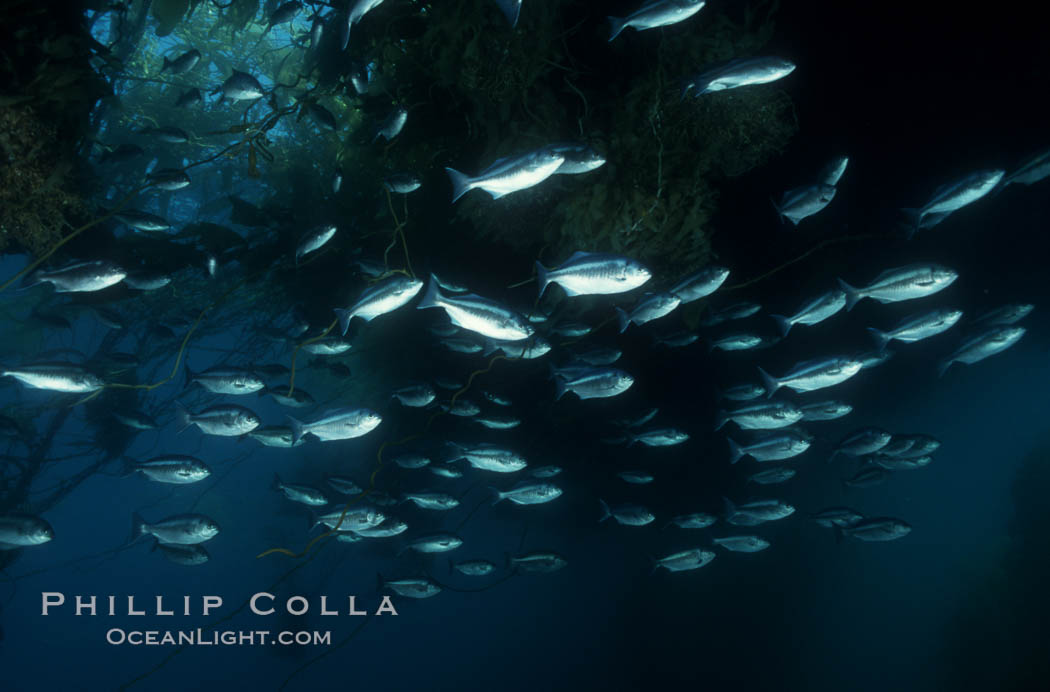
915,94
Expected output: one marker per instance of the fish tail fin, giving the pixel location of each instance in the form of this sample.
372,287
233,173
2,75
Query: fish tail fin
298,430
783,324
840,535
190,376
275,484
852,294
432,297
655,564
138,528
460,183
616,25
507,562
730,508
623,318
560,387
344,317
605,511
721,418
541,277
769,382
914,218
153,547
735,451
499,496
182,415
490,347
881,338
943,366
780,214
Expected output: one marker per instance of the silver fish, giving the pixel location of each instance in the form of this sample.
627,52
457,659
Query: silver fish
184,63
402,183
168,179
589,273
489,458
876,529
224,380
379,299
167,133
434,543
23,530
241,86
344,485
327,346
701,284
736,342
303,494
594,383
837,516
825,410
298,398
180,529
817,310
508,174
684,560
537,563
546,472
805,201
275,436
141,220
811,375
438,501
389,527
738,311
655,13
661,437
833,171
697,520
143,281
783,444
510,9
772,476
528,493
739,73
171,468
762,416
579,158
902,283
635,477
472,568
917,327
80,277
628,515
393,124
756,512
225,419
952,197
498,422
351,518
977,348
56,377
862,442
867,477
411,461
135,420
652,306
182,554
533,347
1007,314
743,392
477,314
314,240
339,424
415,395
742,544
416,587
